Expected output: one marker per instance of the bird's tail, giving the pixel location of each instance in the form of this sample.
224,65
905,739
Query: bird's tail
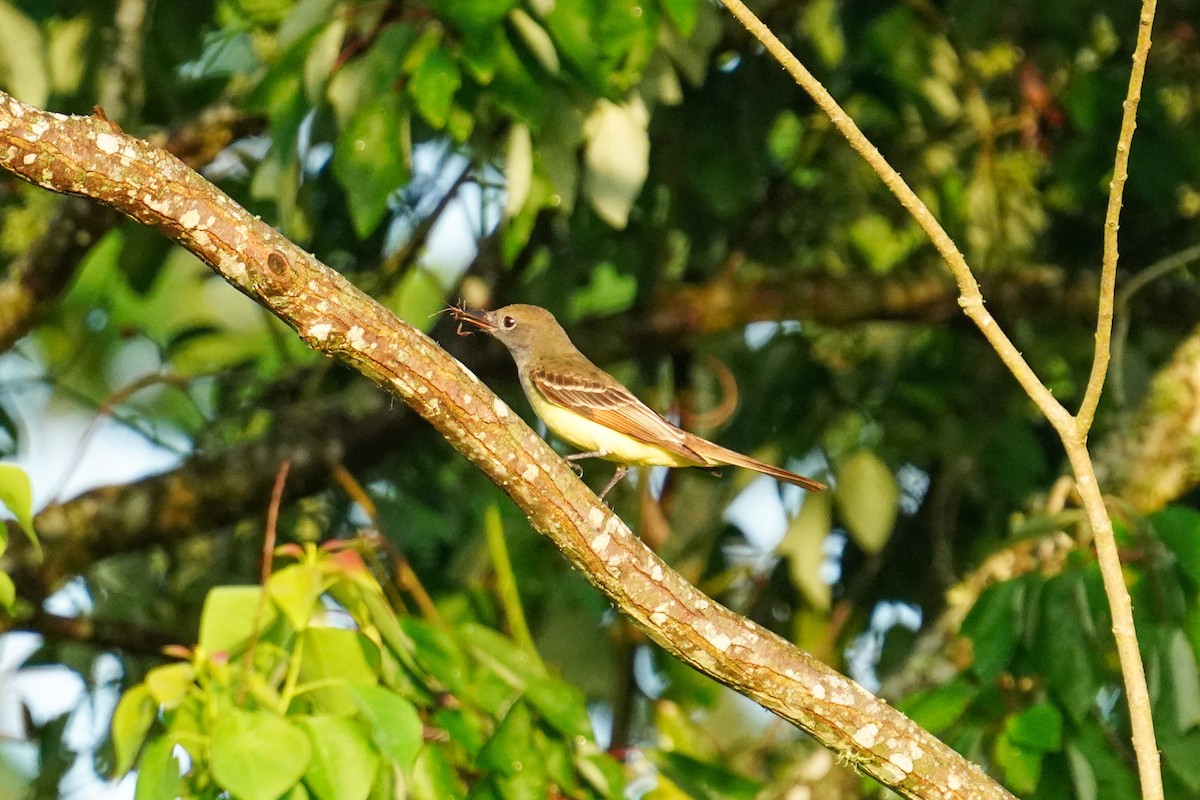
717,455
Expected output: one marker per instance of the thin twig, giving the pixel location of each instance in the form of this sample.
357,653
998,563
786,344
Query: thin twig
506,583
1071,430
1122,313
1112,218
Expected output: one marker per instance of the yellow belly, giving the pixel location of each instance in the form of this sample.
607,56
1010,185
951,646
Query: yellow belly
588,436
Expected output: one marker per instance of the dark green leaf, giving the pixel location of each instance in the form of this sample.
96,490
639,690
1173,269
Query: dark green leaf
938,709
1038,727
1062,650
370,159
433,86
1179,529
705,780
472,16
993,628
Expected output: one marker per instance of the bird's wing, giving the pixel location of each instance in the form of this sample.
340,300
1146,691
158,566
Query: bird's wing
597,396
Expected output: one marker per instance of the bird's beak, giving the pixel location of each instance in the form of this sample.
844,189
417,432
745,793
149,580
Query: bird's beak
482,320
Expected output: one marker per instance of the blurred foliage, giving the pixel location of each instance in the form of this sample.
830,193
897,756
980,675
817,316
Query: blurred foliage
606,155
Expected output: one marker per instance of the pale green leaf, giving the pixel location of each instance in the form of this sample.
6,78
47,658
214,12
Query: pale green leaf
867,495
536,38
16,493
518,169
803,546
1186,680
131,720
158,771
343,762
617,157
230,615
170,683
394,724
23,72
296,590
257,755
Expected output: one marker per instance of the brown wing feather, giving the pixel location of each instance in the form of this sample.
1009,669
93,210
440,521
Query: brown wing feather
602,399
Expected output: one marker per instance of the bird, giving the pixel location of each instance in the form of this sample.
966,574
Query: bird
590,410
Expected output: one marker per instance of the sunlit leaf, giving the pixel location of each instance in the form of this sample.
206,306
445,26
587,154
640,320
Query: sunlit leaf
433,86
131,720
158,771
257,755
867,497
170,683
16,493
370,159
343,763
617,157
230,616
23,70
1039,727
803,547
394,724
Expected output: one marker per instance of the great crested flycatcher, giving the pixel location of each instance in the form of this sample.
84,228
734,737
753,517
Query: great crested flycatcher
589,409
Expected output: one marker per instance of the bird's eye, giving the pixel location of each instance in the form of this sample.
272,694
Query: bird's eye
508,323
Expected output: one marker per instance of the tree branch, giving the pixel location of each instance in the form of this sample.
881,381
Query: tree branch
1070,429
89,156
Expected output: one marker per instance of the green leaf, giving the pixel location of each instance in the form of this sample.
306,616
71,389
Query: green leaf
1185,680
867,495
394,724
433,86
560,703
158,771
335,659
343,762
131,721
992,627
617,157
473,16
169,684
8,592
434,778
684,13
257,755
536,39
296,590
229,617
370,159
1179,529
1039,727
705,780
16,493
1022,767
1083,778
510,748
803,547
1062,648
938,709
23,68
